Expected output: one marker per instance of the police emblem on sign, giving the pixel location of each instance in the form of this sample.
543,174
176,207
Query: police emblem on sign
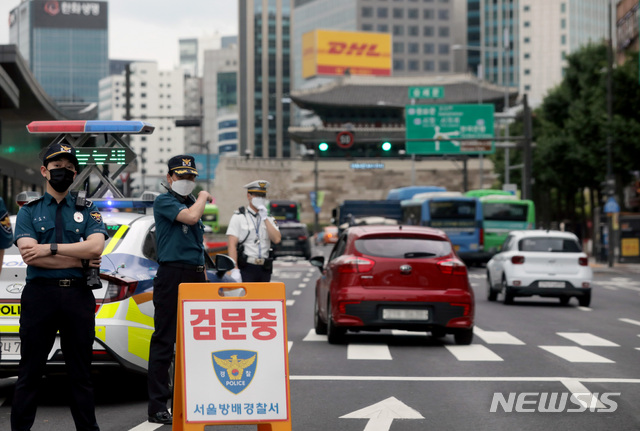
235,368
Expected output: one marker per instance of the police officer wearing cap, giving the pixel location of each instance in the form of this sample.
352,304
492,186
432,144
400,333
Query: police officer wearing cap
179,233
55,233
254,231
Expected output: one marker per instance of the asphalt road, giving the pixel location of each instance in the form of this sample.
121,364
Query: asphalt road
524,358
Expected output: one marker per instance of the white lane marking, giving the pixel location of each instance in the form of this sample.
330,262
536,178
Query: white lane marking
576,354
608,287
290,302
373,352
462,379
146,426
582,394
497,337
312,336
587,339
306,279
633,322
296,292
290,345
302,285
475,352
403,333
585,308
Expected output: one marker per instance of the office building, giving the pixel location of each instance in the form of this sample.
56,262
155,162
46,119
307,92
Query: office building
65,44
159,98
264,77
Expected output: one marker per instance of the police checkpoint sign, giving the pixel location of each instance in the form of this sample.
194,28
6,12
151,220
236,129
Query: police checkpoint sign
235,367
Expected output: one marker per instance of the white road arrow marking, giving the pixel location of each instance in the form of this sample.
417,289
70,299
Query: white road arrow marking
382,414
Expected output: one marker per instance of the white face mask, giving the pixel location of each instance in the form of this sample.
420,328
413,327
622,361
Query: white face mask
183,187
257,202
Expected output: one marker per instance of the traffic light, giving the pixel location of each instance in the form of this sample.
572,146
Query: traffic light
323,146
386,146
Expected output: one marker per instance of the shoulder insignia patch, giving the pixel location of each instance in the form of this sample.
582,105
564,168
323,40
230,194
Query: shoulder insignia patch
96,216
5,223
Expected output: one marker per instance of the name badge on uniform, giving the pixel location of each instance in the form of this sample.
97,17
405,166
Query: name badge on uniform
78,217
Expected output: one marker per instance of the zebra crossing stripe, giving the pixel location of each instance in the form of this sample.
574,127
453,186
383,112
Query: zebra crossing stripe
474,352
312,336
586,339
576,354
497,337
372,352
633,322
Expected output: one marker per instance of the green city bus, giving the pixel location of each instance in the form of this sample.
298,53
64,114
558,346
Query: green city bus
210,217
502,214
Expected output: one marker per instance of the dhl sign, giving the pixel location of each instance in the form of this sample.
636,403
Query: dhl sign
330,52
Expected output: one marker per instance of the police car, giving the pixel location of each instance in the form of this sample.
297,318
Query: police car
124,304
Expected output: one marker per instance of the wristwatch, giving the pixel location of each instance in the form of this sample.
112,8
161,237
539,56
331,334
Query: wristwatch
54,249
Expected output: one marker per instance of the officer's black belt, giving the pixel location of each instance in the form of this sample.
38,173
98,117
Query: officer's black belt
60,282
196,268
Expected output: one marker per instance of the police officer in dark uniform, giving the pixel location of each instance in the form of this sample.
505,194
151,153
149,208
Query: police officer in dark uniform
6,233
250,234
55,233
179,233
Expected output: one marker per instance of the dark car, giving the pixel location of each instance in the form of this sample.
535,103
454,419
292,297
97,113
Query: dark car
393,277
295,241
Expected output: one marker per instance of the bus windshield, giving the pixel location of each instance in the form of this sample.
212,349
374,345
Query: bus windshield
503,211
452,210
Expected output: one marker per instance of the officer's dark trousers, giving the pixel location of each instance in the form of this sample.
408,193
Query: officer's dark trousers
165,301
255,274
44,311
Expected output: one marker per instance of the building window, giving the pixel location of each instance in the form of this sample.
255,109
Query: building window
398,48
367,12
527,8
398,30
527,88
413,30
443,14
428,48
428,66
563,7
427,31
367,27
443,31
443,49
398,64
526,40
527,56
563,23
444,66
527,24
427,13
563,39
383,28
413,48
527,71
398,13
413,14
413,65
383,12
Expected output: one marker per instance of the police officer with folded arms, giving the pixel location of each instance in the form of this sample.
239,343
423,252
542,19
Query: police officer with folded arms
180,236
55,233
250,235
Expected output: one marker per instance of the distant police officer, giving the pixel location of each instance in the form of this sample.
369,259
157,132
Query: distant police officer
179,233
54,234
251,232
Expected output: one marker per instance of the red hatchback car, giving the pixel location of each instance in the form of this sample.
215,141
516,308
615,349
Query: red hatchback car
393,277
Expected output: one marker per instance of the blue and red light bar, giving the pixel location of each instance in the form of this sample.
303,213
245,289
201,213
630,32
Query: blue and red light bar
90,126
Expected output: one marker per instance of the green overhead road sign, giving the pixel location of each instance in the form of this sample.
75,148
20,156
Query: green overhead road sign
445,123
426,92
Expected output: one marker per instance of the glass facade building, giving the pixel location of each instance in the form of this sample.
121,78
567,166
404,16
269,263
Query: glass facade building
65,44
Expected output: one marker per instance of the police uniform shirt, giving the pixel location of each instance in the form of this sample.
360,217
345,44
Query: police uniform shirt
177,242
37,220
250,224
6,233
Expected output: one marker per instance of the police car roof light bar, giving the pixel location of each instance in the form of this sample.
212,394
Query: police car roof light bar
90,126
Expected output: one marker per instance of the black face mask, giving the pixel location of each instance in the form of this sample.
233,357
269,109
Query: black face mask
61,179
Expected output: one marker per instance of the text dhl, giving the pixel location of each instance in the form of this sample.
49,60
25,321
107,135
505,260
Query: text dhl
233,324
366,49
10,310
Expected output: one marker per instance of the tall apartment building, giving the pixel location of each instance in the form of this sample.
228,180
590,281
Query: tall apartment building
65,44
549,31
157,97
220,100
264,77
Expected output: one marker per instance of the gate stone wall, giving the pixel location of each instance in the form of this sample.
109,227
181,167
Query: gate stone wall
294,178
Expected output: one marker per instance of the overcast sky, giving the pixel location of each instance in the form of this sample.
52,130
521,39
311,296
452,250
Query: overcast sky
150,29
